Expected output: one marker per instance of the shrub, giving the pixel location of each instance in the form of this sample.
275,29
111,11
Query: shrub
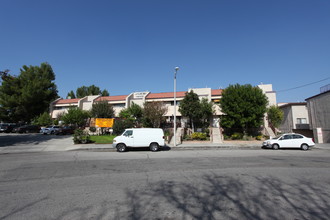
80,137
92,129
198,136
237,136
259,137
121,125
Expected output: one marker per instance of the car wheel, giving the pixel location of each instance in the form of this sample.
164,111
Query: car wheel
121,147
304,147
154,147
276,146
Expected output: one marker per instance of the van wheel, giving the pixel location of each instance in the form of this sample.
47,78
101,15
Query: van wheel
154,147
121,147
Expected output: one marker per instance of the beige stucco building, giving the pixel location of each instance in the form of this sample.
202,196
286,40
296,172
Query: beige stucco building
295,118
121,102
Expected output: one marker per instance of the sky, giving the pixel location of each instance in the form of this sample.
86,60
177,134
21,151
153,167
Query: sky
127,46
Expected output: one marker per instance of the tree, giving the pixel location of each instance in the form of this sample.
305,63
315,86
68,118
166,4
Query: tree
207,111
133,113
153,114
275,116
71,95
190,107
84,91
76,116
244,107
44,119
28,95
102,109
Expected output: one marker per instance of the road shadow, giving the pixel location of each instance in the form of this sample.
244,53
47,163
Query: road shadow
7,140
214,197
222,197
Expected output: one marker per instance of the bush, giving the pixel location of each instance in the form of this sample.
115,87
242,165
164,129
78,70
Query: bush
237,136
81,137
259,137
198,136
92,129
121,125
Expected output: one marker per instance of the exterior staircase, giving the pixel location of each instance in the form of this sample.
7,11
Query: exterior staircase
270,132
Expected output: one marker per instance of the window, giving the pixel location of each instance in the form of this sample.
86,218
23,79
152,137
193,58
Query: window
296,136
301,121
286,137
128,133
177,103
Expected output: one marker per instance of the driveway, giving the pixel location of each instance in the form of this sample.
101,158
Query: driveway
34,142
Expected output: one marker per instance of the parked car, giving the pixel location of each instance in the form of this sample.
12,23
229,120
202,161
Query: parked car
289,141
27,129
3,127
10,128
65,130
50,129
140,137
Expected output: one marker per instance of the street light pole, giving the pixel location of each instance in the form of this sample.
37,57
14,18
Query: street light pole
176,70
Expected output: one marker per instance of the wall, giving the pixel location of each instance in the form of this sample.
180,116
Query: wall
319,114
300,111
287,122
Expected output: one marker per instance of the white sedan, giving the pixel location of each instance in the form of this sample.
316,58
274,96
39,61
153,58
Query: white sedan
289,141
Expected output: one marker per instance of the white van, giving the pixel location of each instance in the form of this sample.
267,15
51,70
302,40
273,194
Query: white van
140,137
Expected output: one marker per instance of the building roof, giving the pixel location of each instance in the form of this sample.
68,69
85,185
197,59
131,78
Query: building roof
318,95
292,103
216,92
112,98
164,95
67,101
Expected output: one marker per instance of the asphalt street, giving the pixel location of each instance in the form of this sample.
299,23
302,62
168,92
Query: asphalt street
191,184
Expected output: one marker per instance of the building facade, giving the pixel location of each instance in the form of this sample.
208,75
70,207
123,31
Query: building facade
61,106
319,115
296,119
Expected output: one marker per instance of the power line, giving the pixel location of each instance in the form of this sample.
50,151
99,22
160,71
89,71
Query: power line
285,90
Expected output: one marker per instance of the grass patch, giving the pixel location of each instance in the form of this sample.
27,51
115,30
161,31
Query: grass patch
102,139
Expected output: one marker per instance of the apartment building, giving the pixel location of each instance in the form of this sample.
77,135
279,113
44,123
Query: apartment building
319,113
295,118
121,102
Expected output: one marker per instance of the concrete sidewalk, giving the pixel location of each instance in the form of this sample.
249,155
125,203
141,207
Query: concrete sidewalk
189,146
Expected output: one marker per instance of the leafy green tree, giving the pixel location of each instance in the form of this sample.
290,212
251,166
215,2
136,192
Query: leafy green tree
71,95
275,116
244,107
207,111
28,95
133,113
190,107
153,114
44,119
84,91
76,116
120,125
102,109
